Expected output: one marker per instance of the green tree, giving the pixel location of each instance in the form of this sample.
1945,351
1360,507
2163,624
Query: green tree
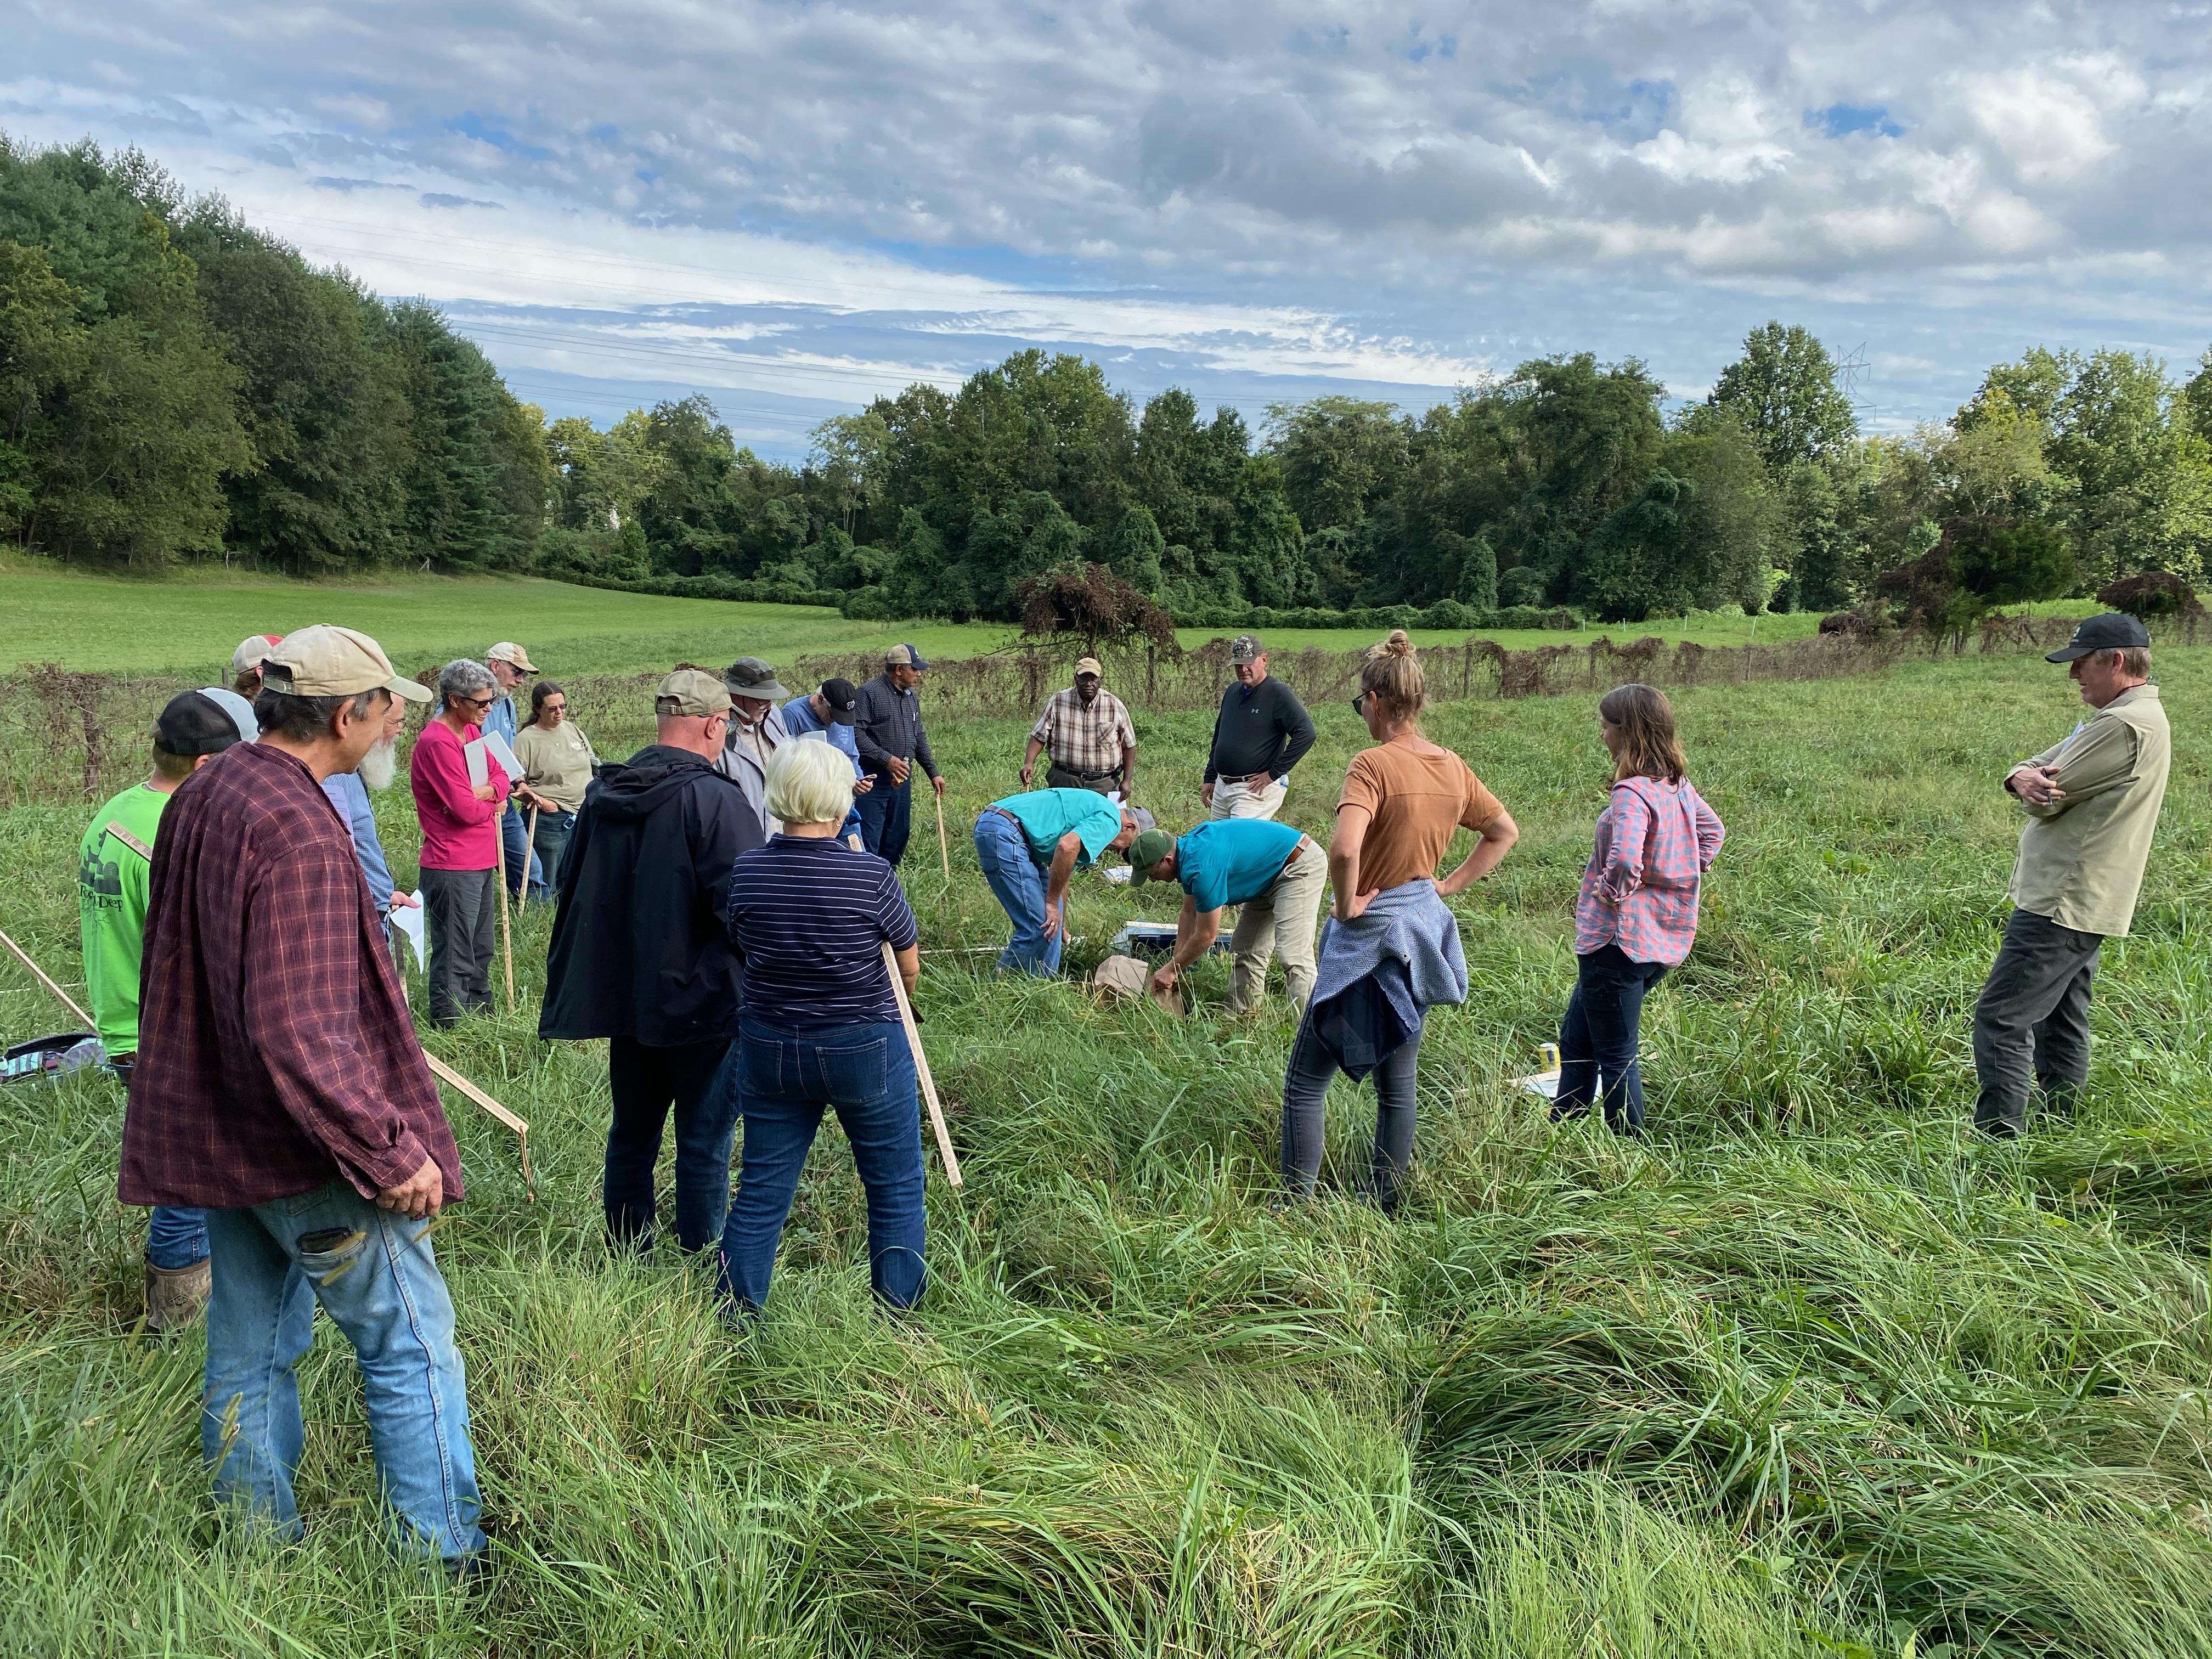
1782,392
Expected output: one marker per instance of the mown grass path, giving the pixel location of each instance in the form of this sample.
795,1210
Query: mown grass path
1810,1372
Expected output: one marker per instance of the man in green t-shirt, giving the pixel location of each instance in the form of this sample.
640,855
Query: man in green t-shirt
114,861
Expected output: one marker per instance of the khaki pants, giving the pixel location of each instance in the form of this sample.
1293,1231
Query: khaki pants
1280,922
1238,800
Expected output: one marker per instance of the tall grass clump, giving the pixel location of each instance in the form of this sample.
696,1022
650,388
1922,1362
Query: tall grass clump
1807,1371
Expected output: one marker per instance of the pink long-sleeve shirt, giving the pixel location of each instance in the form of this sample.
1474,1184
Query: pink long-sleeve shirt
1654,845
459,832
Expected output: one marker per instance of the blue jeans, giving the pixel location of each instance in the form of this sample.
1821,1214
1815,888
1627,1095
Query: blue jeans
645,1083
1019,882
374,1274
781,1081
176,1237
514,840
552,841
886,816
1598,1035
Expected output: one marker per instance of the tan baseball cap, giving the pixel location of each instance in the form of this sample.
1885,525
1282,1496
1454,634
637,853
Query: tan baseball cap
691,692
326,661
250,650
1089,666
509,651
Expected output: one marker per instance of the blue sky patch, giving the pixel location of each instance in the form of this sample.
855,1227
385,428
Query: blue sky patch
1842,121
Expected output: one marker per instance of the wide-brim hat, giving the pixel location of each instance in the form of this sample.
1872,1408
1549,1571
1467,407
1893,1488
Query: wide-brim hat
749,677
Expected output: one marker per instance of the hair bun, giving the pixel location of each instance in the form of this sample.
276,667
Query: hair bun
1397,645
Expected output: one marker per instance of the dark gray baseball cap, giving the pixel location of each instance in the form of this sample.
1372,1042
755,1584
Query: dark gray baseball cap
2113,631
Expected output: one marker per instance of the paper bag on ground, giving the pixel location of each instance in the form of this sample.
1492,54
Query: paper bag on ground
1126,977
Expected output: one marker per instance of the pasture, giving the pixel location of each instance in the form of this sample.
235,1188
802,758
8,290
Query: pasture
1810,1372
189,623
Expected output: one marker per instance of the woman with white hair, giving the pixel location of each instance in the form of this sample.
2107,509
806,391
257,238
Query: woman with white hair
820,1029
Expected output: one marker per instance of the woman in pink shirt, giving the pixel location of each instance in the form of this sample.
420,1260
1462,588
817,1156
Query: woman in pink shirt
1637,911
460,847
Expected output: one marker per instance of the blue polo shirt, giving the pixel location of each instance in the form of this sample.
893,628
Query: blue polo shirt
1046,815
1232,860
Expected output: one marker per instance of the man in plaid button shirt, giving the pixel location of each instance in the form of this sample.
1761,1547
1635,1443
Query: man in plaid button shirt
280,1086
1087,731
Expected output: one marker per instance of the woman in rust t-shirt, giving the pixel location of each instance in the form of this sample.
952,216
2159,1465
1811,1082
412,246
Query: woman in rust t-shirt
1391,948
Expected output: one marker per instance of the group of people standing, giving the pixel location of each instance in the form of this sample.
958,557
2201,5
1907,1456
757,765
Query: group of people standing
730,920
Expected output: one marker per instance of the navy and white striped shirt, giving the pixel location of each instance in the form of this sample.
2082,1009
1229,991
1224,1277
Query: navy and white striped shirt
810,916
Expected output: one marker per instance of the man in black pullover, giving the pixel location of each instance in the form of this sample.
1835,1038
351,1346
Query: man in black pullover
1261,733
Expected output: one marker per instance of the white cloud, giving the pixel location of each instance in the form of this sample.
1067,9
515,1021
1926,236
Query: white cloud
1249,200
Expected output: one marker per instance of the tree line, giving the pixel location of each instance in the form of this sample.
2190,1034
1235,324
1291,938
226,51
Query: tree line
176,385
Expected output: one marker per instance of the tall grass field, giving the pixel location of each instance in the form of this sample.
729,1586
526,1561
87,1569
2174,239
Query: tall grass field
1810,1372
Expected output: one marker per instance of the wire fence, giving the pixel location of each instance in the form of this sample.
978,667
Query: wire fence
69,736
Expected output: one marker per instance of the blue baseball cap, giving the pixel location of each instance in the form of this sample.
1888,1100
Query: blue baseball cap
904,656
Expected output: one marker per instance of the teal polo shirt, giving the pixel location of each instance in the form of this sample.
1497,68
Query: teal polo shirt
1046,815
1232,860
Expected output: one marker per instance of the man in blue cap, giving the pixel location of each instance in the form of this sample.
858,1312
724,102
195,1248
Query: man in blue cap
2092,804
887,730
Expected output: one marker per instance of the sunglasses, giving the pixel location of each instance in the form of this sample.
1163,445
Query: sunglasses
479,702
1359,704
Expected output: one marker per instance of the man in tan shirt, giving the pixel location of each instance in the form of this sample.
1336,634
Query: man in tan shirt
2092,803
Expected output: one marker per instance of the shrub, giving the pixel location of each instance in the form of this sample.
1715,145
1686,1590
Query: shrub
2151,593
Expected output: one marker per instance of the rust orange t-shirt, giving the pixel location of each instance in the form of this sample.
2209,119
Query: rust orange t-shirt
1414,802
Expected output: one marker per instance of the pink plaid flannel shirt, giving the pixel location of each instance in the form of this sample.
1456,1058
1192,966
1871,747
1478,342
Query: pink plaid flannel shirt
1655,842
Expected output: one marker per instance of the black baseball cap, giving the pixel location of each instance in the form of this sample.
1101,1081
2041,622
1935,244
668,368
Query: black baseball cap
842,700
194,723
2113,631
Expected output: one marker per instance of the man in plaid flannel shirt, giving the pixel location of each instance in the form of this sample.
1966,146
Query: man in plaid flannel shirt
280,1085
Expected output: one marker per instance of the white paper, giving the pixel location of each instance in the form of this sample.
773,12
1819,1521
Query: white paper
408,918
495,746
479,767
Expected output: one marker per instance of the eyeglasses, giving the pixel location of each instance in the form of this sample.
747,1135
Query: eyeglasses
555,708
1359,704
479,702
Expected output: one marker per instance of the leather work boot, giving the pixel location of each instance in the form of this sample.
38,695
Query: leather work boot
175,1296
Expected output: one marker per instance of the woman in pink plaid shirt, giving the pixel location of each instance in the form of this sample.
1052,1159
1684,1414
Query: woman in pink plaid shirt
1637,911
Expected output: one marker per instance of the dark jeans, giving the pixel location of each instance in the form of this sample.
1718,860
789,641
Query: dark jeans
462,909
886,816
2033,1014
1597,1038
646,1082
1305,1087
552,841
1059,777
514,841
781,1081
176,1237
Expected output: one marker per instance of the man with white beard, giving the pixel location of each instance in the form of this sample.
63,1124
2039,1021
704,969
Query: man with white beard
349,792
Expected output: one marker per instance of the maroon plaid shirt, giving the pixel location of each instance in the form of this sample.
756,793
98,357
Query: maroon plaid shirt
274,1052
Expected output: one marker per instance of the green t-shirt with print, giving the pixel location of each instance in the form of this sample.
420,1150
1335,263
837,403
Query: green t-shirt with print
114,861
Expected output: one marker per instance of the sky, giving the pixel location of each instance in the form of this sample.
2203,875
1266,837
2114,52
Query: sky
793,207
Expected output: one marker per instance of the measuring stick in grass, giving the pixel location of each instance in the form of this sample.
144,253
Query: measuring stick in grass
23,957
505,933
921,1069
454,1080
944,847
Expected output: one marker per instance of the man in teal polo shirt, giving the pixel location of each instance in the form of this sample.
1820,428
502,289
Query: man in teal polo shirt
1272,870
1030,845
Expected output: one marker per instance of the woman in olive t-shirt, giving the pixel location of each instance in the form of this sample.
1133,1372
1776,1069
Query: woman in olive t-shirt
1402,799
556,769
